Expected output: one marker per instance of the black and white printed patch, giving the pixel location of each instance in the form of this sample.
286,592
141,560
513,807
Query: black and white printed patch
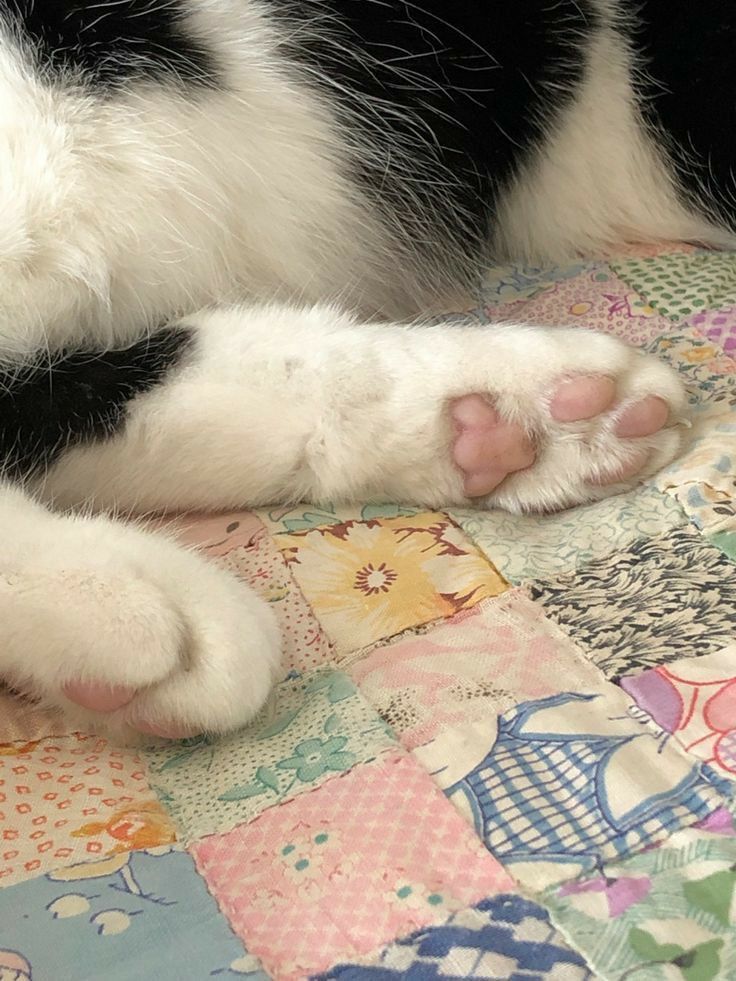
658,600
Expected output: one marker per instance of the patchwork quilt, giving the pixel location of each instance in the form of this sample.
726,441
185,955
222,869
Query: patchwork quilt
502,747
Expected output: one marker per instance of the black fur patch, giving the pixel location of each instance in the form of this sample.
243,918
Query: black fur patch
467,85
688,51
78,396
112,41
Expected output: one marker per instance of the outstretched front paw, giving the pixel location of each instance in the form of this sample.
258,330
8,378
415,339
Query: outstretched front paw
131,634
598,417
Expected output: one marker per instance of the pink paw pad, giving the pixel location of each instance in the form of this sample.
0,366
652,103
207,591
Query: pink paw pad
110,698
98,697
487,448
643,418
582,398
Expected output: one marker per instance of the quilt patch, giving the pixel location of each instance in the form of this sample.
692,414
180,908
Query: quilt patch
574,779
124,913
367,580
666,913
313,729
503,937
375,854
472,666
656,601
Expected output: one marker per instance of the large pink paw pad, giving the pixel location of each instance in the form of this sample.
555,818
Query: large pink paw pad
486,448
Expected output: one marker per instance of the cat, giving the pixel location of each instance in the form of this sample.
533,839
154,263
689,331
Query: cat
224,225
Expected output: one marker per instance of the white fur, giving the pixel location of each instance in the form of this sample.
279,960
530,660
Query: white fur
123,212
280,404
91,600
277,404
598,180
119,213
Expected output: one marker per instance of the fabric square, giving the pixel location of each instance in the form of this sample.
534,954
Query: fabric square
23,722
656,601
664,914
694,700
240,543
503,937
369,580
571,780
65,800
526,546
514,283
706,371
288,519
718,326
313,728
333,875
681,284
596,299
708,459
145,914
711,511
472,666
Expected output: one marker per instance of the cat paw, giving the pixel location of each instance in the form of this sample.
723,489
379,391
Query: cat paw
586,416
131,635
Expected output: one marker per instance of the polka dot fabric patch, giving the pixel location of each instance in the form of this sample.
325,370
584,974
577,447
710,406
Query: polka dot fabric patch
70,799
681,285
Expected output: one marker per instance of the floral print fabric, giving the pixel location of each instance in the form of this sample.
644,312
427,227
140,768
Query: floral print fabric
666,913
367,580
312,729
500,746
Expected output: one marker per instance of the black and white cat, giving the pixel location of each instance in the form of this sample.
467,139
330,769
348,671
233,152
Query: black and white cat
215,216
